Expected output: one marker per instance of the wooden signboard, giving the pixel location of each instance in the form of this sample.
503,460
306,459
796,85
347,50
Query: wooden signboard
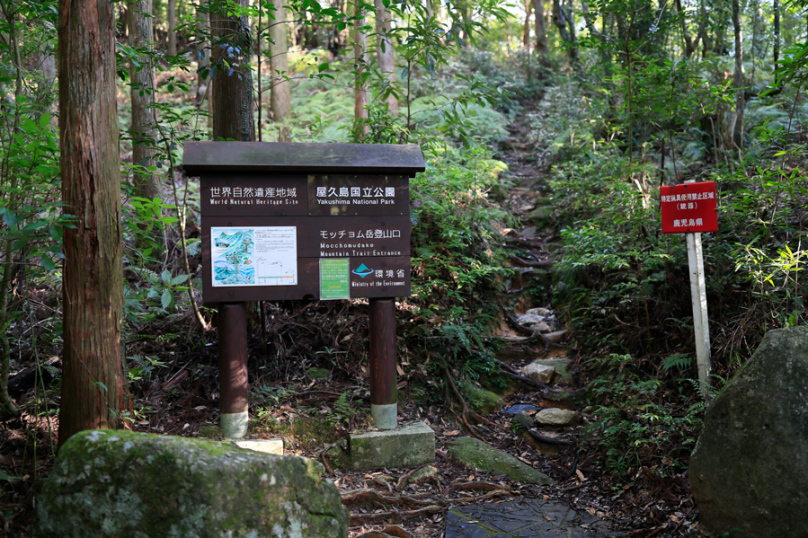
328,221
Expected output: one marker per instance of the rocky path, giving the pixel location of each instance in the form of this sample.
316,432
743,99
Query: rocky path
537,357
523,475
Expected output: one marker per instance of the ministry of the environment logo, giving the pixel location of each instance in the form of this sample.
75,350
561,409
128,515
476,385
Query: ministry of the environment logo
362,271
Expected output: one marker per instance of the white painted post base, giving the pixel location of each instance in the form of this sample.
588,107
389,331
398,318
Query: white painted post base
701,324
385,416
234,425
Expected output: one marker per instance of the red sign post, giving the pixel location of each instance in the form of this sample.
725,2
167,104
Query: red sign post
690,208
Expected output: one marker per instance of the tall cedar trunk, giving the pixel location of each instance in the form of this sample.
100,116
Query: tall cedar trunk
142,97
526,29
738,78
541,32
776,46
202,52
280,94
92,279
384,52
172,25
360,67
232,88
573,39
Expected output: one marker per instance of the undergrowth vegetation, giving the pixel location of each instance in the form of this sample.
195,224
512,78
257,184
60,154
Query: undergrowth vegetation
613,136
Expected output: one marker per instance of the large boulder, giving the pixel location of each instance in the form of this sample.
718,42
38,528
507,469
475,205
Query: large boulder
119,483
749,469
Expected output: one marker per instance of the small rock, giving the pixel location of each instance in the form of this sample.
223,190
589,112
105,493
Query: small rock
555,417
556,336
542,327
541,213
547,449
543,312
539,372
524,419
481,400
318,373
423,475
519,408
561,367
528,320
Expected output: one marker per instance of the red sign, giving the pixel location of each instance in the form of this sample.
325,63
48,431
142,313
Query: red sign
689,208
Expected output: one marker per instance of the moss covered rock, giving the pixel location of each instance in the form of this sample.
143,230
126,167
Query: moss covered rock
119,483
749,469
481,400
482,457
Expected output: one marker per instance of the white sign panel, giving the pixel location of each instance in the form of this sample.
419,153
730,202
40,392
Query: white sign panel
259,256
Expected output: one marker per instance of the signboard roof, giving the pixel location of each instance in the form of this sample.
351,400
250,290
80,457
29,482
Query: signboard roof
205,157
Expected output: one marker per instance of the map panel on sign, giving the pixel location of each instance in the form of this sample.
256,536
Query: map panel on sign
256,256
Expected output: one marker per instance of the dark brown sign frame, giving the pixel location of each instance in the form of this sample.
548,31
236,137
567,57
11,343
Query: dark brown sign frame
272,211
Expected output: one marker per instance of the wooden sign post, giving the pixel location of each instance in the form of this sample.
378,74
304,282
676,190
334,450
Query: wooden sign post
690,208
295,221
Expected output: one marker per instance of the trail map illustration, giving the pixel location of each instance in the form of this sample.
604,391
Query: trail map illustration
260,256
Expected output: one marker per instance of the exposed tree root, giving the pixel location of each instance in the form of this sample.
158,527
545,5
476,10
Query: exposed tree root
453,394
390,531
521,329
548,440
371,495
482,486
359,519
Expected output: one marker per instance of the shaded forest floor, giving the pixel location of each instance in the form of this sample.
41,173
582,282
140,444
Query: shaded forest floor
314,404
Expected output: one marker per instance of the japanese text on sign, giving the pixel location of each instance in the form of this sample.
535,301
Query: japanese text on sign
689,208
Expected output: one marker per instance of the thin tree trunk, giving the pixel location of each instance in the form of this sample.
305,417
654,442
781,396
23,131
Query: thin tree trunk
573,38
202,54
280,94
776,46
142,97
738,78
560,20
688,48
541,33
92,281
526,29
360,68
384,53
172,25
232,90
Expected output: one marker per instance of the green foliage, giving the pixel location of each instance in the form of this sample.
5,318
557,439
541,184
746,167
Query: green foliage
634,424
457,262
342,412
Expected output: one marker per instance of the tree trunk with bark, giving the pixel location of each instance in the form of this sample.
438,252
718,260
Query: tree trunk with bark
360,68
527,4
172,25
384,54
572,32
92,281
736,127
280,92
542,49
776,45
143,132
232,82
